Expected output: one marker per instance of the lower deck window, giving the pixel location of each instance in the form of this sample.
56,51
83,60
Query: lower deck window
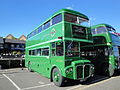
59,48
39,52
72,49
45,51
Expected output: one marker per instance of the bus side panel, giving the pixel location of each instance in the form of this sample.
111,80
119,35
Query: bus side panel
58,61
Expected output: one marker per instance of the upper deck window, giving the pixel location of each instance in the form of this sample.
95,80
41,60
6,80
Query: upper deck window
57,19
46,25
110,29
76,19
93,31
39,29
99,30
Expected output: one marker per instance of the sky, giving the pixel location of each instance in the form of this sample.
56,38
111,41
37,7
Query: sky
19,17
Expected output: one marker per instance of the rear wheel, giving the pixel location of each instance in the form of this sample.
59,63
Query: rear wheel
108,70
29,67
57,77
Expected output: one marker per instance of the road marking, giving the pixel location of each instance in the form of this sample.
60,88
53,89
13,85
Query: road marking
3,70
41,82
36,87
11,69
74,87
11,81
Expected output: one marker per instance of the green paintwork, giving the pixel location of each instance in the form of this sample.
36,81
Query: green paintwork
62,11
112,59
103,24
45,64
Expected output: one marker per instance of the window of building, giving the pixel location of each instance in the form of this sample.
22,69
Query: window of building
57,19
45,51
17,46
1,46
6,46
12,45
23,46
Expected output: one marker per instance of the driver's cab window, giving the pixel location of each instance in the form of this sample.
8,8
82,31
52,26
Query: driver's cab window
57,49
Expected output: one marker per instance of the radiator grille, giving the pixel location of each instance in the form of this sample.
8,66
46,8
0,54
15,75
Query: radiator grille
83,71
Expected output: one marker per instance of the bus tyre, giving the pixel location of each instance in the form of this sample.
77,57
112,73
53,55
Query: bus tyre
57,77
29,67
108,70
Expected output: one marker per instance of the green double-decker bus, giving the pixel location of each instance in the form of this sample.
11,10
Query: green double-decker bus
53,48
105,51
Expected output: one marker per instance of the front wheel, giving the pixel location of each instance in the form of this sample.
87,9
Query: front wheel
57,77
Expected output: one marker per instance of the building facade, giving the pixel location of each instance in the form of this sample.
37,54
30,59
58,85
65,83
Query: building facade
12,51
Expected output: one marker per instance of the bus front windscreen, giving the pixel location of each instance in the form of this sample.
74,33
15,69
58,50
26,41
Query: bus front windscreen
72,49
99,30
110,29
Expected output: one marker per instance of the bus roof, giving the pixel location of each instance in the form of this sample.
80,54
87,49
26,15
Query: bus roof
72,11
60,11
103,24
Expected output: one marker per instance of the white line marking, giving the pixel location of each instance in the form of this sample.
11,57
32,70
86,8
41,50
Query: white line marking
41,82
12,69
11,81
36,87
3,70
42,43
74,87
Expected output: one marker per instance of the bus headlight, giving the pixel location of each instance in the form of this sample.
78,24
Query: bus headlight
69,70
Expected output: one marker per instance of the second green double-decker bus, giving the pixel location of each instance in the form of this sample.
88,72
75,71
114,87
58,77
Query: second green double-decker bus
105,54
53,48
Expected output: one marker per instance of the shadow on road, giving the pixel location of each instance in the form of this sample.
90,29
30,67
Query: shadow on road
92,80
95,79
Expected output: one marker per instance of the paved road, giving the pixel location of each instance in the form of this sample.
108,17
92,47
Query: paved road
17,79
